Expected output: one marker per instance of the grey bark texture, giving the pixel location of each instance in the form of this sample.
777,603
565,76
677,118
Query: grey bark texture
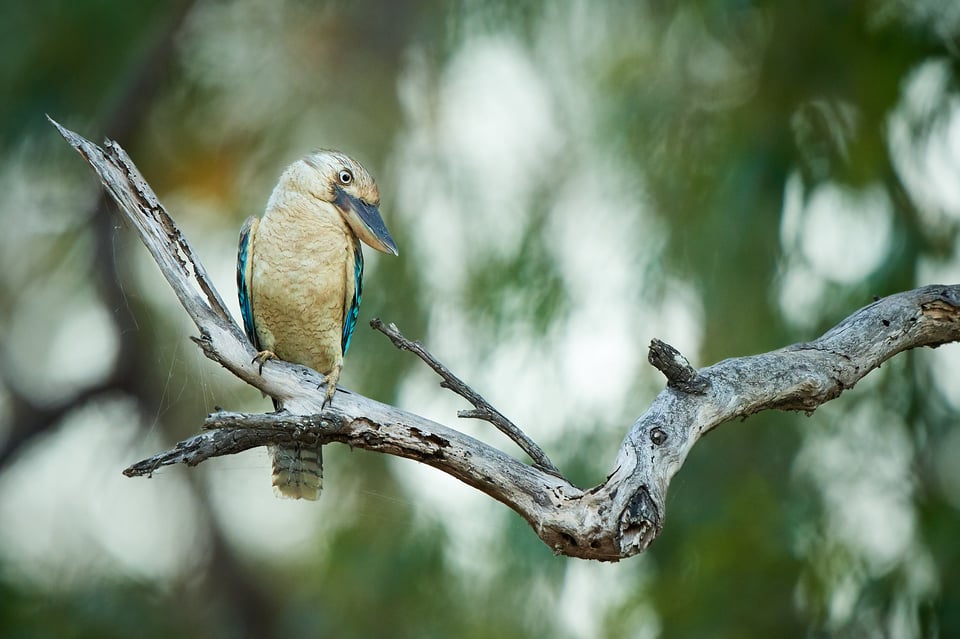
616,519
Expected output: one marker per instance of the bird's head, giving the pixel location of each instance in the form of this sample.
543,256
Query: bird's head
331,176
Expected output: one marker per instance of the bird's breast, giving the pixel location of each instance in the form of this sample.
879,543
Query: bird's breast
299,284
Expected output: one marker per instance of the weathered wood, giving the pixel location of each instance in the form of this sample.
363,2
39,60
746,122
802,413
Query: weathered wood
617,519
482,409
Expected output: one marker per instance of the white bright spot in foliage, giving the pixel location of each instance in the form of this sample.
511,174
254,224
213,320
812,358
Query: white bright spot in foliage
801,292
846,233
924,134
591,590
69,513
948,470
862,466
496,121
55,357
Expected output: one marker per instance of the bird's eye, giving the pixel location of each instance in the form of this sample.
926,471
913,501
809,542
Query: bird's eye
345,177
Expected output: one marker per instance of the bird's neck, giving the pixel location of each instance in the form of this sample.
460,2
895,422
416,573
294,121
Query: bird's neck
295,211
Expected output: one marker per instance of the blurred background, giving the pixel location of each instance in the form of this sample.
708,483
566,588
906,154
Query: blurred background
565,181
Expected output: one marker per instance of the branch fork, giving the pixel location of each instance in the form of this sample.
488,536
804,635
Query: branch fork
617,519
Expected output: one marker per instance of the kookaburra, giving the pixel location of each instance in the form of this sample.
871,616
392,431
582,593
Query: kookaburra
299,275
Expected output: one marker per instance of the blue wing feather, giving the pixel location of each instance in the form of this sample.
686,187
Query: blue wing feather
350,319
243,285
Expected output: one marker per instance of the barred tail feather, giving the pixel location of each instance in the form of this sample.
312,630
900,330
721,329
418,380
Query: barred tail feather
297,472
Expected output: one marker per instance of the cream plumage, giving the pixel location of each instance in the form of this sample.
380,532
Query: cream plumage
299,277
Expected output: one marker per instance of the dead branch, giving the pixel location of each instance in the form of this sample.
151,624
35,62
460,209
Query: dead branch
482,408
617,519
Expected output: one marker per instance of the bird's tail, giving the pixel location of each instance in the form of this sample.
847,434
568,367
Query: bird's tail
298,472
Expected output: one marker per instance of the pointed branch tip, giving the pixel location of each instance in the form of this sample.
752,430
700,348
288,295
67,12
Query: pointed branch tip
483,409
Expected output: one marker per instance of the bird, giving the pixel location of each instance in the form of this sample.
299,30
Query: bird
299,282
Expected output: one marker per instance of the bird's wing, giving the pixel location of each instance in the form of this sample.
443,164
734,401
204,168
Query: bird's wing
244,273
352,308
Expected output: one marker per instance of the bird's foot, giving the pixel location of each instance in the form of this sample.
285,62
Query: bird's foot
330,380
328,399
262,357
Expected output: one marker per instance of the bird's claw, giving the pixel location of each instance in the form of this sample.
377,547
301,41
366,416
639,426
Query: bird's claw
330,380
262,357
331,389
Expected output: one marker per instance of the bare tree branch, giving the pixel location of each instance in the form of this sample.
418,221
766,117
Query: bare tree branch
124,116
482,408
617,519
254,607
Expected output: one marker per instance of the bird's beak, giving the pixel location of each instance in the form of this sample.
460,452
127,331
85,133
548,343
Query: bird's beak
365,221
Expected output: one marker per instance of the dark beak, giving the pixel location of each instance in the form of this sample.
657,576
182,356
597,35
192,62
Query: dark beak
366,222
